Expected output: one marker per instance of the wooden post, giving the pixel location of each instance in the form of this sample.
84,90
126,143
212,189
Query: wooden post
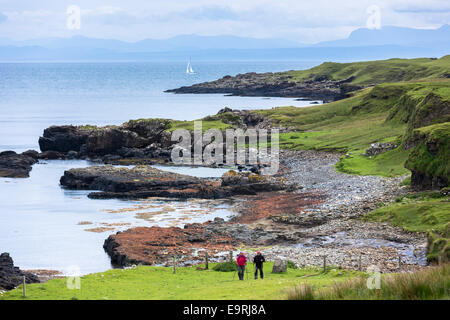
174,265
206,261
399,261
231,255
360,263
324,264
439,259
24,286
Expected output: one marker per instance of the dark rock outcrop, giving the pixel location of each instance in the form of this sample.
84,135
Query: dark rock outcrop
63,138
144,181
13,165
10,276
109,140
144,138
274,85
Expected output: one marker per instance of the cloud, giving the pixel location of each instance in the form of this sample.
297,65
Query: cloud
300,20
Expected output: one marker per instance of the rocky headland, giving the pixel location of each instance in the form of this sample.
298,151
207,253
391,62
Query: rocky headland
274,85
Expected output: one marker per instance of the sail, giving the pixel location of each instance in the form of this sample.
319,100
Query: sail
188,68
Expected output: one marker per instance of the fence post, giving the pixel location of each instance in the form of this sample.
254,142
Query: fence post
360,263
439,259
206,260
399,261
174,265
324,264
231,256
24,286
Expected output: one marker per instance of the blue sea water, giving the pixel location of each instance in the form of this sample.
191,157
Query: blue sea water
39,221
34,96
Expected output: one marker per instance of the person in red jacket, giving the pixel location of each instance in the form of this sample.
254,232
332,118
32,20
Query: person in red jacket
241,261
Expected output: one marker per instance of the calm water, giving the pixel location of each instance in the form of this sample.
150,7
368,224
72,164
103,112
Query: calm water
34,96
44,226
40,221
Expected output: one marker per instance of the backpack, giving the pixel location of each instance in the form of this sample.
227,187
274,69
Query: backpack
239,259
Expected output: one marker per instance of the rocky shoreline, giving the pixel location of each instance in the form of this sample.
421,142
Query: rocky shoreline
301,226
274,85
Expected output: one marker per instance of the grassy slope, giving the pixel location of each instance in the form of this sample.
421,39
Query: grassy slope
432,162
351,125
146,282
372,72
421,212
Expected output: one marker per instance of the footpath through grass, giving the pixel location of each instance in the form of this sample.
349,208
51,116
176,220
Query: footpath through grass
145,282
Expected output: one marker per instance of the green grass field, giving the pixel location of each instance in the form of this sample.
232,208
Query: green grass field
145,282
420,212
373,72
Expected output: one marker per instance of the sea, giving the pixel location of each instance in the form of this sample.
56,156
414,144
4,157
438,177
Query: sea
44,226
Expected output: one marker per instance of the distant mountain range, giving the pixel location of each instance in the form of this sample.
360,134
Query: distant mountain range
363,43
393,36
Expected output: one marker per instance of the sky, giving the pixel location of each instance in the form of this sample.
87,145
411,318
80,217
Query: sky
306,21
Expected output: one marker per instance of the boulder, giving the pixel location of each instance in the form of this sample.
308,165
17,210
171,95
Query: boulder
11,276
379,147
51,155
151,129
13,165
109,139
63,138
279,266
31,153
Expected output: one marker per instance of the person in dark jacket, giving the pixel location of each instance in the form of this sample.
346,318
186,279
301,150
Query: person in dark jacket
258,260
241,261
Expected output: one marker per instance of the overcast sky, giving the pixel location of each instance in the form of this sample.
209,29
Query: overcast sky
299,20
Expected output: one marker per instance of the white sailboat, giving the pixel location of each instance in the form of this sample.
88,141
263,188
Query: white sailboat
189,69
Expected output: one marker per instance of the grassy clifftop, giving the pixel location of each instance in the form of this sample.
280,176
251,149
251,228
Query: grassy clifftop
429,160
383,113
374,72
